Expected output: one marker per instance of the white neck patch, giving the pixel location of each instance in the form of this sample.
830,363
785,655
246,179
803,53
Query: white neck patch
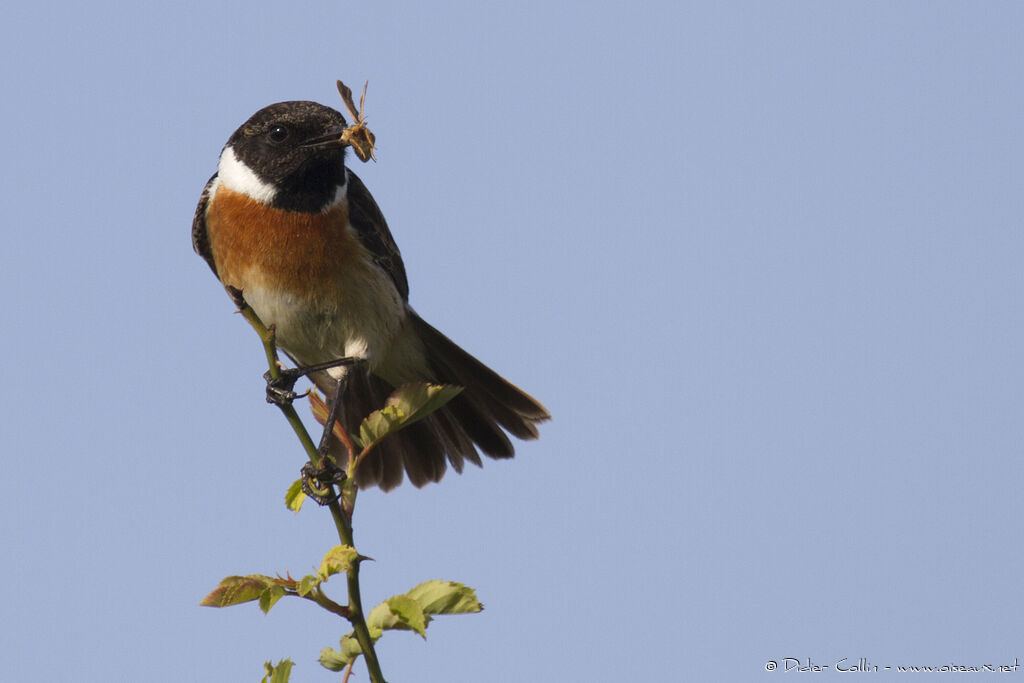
235,175
340,194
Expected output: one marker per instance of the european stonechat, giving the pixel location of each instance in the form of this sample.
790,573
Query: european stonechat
287,223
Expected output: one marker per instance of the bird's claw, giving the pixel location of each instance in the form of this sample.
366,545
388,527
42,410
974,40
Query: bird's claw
317,481
280,389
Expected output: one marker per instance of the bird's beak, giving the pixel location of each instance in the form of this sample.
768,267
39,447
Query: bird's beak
331,138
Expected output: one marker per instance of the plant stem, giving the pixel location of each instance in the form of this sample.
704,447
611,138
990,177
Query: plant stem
342,521
321,599
355,601
270,348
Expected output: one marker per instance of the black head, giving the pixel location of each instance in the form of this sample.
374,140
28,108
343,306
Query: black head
289,147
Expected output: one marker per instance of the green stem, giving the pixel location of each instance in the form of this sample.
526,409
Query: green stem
320,598
355,601
270,348
342,521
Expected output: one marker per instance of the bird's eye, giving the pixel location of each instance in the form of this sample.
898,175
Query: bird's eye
277,134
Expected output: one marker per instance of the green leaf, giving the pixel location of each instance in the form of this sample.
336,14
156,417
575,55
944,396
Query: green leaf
278,673
234,590
445,597
379,424
336,661
294,497
270,596
350,645
306,584
380,618
410,614
332,659
399,612
407,404
338,560
419,400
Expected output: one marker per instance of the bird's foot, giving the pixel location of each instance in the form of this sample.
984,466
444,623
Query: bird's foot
317,482
281,389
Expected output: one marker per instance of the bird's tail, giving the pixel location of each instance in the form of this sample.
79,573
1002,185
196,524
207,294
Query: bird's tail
477,418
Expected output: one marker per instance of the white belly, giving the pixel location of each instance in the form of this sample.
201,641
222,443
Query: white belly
362,321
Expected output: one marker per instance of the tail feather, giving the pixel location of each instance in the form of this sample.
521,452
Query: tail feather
460,446
424,453
466,370
473,419
480,427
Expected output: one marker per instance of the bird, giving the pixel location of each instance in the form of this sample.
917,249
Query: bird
286,221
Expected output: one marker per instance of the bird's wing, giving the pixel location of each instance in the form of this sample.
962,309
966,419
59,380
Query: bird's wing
368,221
200,238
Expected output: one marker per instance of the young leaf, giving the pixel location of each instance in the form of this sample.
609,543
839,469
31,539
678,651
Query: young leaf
350,645
338,560
409,403
234,590
270,596
420,399
294,497
410,614
379,424
380,618
337,660
445,597
307,583
399,612
278,673
332,659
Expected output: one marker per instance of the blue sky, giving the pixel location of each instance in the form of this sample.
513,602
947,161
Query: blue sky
760,260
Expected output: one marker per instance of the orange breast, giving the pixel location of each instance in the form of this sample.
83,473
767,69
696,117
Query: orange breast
255,245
